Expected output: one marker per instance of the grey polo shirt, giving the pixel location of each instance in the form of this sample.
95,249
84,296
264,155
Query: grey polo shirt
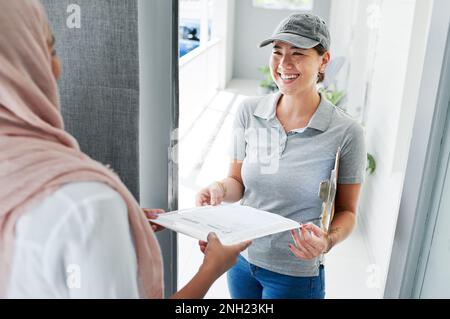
282,172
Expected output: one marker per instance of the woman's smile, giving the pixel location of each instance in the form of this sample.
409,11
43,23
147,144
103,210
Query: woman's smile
288,78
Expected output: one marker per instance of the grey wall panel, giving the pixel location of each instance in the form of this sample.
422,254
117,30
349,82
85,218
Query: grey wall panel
100,81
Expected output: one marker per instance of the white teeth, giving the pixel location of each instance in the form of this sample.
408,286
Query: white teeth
289,77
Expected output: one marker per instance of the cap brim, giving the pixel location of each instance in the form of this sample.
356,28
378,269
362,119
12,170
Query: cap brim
293,39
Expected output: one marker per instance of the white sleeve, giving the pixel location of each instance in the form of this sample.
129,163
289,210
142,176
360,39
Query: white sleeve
91,253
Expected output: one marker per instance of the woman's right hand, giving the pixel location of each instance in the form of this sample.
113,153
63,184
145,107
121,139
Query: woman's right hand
219,258
211,195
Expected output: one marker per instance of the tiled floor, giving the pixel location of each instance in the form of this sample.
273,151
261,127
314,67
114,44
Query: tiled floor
203,154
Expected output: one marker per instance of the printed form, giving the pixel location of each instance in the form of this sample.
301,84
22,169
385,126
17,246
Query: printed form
232,223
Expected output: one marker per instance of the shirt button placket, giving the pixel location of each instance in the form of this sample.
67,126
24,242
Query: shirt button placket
283,144
276,123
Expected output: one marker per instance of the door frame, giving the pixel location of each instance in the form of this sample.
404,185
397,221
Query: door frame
439,184
159,119
444,99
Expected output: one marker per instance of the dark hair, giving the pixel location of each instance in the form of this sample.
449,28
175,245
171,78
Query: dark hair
321,51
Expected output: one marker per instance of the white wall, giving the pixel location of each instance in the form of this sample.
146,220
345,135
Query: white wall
252,26
223,28
386,54
425,146
209,67
353,39
387,99
199,81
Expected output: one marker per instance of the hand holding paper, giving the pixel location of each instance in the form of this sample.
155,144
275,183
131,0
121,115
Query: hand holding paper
310,242
219,257
153,214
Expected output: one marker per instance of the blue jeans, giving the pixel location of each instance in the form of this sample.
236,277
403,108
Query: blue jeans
247,281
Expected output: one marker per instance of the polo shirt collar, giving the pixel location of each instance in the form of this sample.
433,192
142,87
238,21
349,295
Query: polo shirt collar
321,120
266,108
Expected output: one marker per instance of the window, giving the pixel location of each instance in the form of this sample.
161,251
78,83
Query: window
189,36
305,5
195,24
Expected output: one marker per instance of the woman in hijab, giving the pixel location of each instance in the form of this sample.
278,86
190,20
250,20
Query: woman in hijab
69,228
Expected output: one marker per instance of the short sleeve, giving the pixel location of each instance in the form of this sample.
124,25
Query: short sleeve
238,145
353,160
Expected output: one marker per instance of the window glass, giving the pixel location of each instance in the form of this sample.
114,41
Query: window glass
195,24
284,4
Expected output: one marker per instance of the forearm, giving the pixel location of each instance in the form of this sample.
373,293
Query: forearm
198,286
234,190
342,226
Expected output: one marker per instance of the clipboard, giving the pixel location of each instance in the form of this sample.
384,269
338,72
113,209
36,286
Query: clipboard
327,193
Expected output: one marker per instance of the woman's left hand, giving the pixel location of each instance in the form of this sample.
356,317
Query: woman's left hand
153,214
310,242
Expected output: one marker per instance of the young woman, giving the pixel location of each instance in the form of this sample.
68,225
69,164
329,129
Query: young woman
68,226
284,146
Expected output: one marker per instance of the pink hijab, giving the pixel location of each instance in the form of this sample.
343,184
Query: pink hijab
37,156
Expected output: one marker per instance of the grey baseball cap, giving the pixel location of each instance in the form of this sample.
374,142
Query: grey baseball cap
302,30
